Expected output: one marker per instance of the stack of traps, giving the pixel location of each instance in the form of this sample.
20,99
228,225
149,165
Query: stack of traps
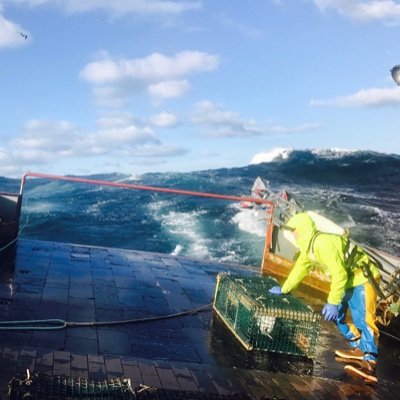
264,321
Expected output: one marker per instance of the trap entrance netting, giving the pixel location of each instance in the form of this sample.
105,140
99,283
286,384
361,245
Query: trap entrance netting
264,321
44,387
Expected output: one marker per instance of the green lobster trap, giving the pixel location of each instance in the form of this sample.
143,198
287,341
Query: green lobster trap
43,387
264,321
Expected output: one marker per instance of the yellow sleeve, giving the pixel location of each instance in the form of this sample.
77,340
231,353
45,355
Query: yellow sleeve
300,270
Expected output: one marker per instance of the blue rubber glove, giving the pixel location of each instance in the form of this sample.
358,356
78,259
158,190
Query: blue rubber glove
330,312
275,290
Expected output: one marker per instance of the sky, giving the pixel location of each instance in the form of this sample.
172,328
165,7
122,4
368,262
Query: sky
136,86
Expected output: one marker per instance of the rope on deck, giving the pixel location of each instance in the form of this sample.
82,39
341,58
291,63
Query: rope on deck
5,247
55,324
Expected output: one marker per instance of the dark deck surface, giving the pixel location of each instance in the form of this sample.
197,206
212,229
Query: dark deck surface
40,280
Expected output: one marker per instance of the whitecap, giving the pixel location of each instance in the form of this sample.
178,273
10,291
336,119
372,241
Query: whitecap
252,221
178,250
276,154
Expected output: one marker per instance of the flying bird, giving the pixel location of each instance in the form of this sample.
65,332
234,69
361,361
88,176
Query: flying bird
24,35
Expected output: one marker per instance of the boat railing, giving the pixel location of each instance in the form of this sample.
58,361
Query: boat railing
268,204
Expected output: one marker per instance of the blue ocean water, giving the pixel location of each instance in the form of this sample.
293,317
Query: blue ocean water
359,190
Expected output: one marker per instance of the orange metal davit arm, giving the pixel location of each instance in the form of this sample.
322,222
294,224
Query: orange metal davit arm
269,203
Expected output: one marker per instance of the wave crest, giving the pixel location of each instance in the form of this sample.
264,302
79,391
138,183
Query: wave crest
276,154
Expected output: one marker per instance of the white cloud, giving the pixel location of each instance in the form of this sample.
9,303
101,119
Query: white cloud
363,10
133,6
374,97
46,137
126,136
11,34
223,123
113,96
43,142
279,129
115,80
115,120
153,68
105,71
118,7
168,89
160,151
31,3
164,120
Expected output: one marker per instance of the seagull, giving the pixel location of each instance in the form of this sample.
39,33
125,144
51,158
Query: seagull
25,36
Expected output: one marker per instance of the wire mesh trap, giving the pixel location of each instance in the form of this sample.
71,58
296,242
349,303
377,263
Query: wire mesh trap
263,321
44,387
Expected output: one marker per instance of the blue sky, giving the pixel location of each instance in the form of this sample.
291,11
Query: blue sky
136,86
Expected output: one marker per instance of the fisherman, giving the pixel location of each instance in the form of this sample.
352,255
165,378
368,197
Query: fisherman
354,280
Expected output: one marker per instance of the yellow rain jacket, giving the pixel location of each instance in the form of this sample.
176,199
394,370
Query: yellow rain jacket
328,253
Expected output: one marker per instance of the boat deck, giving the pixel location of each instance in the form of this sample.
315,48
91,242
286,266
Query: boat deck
42,280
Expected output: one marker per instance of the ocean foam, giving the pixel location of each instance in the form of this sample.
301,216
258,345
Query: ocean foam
177,251
132,177
185,226
333,153
252,221
276,154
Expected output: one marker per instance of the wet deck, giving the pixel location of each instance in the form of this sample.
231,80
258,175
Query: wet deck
41,280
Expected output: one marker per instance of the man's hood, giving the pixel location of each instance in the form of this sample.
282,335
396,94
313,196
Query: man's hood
305,228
